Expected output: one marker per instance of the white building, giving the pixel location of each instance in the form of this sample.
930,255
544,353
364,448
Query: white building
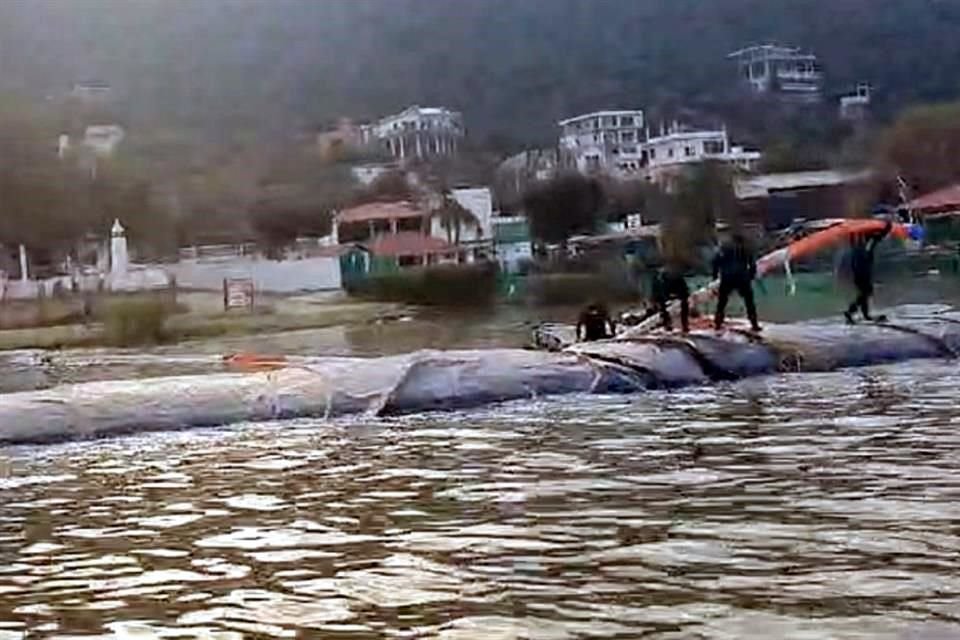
607,141
676,148
103,139
785,72
856,105
91,92
417,132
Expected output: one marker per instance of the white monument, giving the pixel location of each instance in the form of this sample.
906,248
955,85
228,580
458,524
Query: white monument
119,259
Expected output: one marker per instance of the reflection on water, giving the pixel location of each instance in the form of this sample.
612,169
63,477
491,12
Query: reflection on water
807,506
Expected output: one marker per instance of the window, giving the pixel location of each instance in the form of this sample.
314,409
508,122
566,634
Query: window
596,137
609,137
713,147
670,152
610,121
626,136
630,149
653,154
688,151
626,121
615,151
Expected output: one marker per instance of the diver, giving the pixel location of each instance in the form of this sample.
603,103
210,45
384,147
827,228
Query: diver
669,283
595,322
736,266
862,249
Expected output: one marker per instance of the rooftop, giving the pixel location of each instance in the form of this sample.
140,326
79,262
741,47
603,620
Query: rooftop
380,211
408,243
762,51
761,186
594,114
942,200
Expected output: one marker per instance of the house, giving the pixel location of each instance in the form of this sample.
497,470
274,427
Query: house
417,133
855,106
776,200
637,242
602,141
786,73
103,139
409,235
666,156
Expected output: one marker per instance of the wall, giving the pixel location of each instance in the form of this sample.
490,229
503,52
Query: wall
139,278
479,202
286,276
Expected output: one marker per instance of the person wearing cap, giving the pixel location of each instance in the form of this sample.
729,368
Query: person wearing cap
736,267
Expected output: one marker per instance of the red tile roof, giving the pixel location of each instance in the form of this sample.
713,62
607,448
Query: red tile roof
946,199
408,243
380,211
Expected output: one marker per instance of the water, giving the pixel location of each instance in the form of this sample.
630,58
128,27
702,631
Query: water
805,506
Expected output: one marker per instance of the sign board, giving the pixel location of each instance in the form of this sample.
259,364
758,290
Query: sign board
237,293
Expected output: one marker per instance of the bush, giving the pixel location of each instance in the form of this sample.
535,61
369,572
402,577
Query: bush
134,322
444,285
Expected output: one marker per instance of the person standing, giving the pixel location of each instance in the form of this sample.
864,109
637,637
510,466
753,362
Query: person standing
736,267
669,284
862,249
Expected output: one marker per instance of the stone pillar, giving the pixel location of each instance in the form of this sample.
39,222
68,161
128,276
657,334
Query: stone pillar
402,150
24,265
419,147
119,259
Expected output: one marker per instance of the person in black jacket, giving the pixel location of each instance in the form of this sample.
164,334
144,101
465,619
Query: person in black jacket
862,249
668,284
594,323
736,266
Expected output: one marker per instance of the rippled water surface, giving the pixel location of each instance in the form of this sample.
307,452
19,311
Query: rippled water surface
806,506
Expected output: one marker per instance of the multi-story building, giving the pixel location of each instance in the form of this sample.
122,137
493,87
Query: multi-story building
417,132
603,141
784,72
676,148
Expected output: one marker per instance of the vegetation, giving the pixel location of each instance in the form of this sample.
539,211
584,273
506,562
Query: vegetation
442,285
405,51
136,321
923,147
563,207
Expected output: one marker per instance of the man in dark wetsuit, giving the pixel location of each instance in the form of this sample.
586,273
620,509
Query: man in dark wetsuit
669,284
862,248
736,266
594,322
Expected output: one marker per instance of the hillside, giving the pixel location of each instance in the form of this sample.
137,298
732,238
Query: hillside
513,66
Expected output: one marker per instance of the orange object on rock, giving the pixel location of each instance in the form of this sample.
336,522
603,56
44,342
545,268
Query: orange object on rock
254,362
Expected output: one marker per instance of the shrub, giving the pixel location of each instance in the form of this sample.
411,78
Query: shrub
444,285
135,321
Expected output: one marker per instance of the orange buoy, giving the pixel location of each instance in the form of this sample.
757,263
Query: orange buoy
254,362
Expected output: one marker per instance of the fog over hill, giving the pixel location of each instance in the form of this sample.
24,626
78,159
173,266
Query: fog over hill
512,66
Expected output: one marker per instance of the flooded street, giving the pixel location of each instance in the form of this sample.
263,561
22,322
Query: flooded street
804,506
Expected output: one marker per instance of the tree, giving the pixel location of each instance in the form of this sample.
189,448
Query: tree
689,216
453,218
923,147
564,206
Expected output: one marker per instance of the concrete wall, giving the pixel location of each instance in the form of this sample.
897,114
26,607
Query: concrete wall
139,278
286,276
